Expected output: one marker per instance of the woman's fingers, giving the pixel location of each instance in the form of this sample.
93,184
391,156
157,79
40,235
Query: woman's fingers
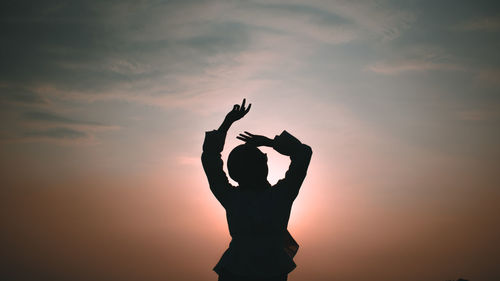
243,104
247,136
248,108
245,139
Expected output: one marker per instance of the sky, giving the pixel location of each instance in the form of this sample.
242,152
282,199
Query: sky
104,105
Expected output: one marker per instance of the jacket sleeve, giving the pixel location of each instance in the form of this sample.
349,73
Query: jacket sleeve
300,156
212,164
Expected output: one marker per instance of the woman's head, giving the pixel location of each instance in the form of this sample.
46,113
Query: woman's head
247,164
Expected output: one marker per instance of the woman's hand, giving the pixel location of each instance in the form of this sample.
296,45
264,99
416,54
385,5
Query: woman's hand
234,115
238,112
255,140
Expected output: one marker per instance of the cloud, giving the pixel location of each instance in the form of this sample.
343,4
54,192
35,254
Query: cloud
372,19
397,67
477,115
53,118
19,95
48,126
490,76
378,17
57,133
416,59
43,119
297,20
88,51
45,126
487,24
83,52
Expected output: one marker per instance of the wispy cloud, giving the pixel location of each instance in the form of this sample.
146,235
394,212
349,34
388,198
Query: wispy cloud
477,114
378,17
40,126
159,43
490,76
190,54
53,118
300,20
487,24
416,59
48,119
372,19
397,67
18,94
55,135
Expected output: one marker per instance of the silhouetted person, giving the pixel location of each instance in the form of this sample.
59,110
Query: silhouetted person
257,213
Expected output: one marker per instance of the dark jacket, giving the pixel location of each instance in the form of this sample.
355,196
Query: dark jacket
257,218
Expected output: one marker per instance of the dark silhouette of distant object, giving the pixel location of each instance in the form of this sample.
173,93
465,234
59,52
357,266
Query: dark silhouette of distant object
460,279
257,213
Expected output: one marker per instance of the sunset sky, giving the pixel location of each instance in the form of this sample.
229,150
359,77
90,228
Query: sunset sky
104,105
